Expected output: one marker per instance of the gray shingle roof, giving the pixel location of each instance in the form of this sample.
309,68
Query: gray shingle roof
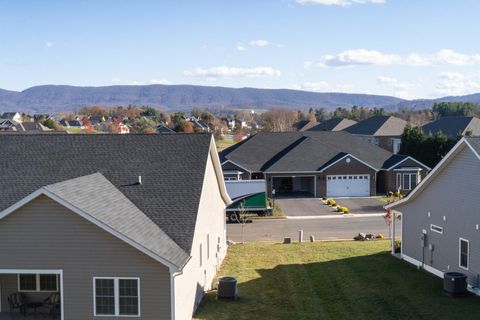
304,125
304,151
334,124
453,126
379,126
172,169
96,196
474,142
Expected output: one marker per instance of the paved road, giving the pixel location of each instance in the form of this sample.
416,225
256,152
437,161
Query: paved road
294,207
322,228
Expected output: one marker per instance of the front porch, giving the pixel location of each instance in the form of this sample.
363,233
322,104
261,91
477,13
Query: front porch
31,294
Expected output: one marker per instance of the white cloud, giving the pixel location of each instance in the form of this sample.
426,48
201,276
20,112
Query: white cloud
136,83
457,83
259,43
241,47
160,81
355,57
342,3
389,80
116,81
401,89
323,86
232,72
49,44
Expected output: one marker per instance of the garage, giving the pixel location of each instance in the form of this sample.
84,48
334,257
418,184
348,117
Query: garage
294,185
348,185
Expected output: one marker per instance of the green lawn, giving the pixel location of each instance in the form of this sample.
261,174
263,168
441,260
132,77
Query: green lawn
331,280
224,143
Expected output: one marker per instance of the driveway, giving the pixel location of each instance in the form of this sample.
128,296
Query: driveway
342,227
296,207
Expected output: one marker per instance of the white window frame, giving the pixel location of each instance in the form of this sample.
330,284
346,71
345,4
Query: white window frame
116,289
436,228
208,246
460,253
401,176
37,282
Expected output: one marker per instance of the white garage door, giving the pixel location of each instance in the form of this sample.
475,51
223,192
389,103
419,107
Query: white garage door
348,186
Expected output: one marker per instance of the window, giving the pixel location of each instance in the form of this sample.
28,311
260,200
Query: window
436,228
38,282
463,254
208,246
407,181
117,296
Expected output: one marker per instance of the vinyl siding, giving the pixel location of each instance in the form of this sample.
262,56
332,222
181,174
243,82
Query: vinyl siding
195,279
45,235
387,180
452,194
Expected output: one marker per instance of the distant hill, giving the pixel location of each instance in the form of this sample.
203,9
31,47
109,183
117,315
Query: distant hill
53,98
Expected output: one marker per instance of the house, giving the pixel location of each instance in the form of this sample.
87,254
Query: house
94,120
162,128
304,125
7,125
72,124
439,219
383,131
453,127
116,225
334,124
319,164
15,116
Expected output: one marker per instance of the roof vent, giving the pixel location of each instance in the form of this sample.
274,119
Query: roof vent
139,180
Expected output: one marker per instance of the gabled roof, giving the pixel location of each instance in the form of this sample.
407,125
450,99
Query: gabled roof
379,126
307,151
334,124
172,169
304,125
453,126
98,200
473,143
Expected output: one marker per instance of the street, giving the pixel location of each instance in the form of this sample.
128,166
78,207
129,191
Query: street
322,229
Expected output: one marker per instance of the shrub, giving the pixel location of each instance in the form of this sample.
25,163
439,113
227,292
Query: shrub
380,236
339,209
324,198
345,210
398,246
331,202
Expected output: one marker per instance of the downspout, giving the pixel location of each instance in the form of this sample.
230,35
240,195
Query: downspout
173,275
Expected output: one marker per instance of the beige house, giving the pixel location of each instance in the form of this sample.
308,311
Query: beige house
110,226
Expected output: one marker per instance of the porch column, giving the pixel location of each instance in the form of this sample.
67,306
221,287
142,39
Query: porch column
393,230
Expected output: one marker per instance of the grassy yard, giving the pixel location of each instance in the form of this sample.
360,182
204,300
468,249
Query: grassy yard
224,143
331,280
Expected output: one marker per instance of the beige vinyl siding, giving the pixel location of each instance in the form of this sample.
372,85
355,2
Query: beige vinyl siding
190,285
45,235
452,194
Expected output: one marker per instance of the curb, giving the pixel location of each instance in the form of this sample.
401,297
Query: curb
343,216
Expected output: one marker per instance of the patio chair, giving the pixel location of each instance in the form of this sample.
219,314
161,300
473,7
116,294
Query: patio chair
17,301
52,303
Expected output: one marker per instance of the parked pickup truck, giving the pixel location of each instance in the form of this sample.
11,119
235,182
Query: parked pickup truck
247,195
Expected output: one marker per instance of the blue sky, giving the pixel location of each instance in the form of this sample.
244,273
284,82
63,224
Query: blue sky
405,48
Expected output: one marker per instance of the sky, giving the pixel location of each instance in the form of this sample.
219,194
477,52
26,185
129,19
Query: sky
404,48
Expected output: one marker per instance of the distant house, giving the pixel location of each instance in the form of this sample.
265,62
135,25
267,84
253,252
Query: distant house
162,128
383,131
72,124
229,122
94,120
321,164
114,225
15,116
334,124
439,219
304,125
453,127
241,123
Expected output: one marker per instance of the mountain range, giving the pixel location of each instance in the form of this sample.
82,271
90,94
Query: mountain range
62,98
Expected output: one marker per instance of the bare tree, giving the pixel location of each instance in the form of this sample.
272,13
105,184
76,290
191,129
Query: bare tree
279,120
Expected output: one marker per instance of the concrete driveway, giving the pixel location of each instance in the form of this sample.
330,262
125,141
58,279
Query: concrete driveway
309,207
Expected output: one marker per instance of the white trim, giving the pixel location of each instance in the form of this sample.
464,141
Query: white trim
42,271
408,169
287,173
418,264
43,191
460,253
437,231
217,166
116,285
351,156
413,159
432,174
236,164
